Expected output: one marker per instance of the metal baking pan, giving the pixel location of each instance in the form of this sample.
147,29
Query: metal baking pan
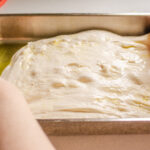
18,29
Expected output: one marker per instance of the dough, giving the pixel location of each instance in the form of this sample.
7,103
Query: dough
91,74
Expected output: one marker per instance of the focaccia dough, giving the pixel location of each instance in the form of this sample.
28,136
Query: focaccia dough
92,74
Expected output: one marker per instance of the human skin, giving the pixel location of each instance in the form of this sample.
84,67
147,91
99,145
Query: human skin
18,128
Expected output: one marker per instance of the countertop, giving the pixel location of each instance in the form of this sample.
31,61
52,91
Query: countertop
102,142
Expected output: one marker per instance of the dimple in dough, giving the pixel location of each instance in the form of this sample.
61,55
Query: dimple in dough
91,74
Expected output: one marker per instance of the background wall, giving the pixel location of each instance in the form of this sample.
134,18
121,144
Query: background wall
75,6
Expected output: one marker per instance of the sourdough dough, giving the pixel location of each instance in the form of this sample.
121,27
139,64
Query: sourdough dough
92,74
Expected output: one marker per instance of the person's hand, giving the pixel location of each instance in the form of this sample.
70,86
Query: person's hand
18,128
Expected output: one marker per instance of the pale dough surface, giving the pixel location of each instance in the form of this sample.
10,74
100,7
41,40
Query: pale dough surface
92,74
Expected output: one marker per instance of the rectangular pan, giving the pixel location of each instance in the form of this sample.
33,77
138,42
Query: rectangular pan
18,29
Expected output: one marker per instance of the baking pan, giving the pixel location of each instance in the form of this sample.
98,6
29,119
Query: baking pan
19,29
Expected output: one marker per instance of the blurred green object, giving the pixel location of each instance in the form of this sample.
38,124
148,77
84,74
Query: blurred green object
6,52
